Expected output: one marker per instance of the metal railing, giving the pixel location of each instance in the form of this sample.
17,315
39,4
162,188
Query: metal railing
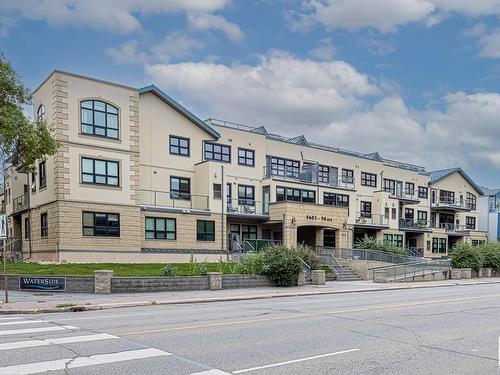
404,271
310,176
329,260
414,224
367,254
365,218
258,244
408,195
244,206
450,203
173,199
450,227
20,203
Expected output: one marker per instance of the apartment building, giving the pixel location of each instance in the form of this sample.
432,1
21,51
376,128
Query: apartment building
489,213
139,178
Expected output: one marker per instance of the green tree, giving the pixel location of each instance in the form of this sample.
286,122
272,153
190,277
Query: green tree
22,140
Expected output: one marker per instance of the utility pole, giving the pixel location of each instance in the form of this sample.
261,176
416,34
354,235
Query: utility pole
4,234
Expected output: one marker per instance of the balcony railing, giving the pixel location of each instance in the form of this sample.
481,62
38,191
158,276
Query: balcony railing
20,203
450,227
414,224
451,203
310,176
245,206
173,199
364,218
404,195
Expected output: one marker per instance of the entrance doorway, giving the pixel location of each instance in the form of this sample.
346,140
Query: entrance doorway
328,238
306,235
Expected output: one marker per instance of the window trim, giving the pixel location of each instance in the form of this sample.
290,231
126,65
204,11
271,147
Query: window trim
335,199
470,222
105,175
421,190
246,200
94,225
205,143
248,226
245,157
170,137
300,194
165,219
213,191
362,211
105,127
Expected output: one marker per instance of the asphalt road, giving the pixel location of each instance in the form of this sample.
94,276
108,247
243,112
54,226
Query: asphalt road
446,330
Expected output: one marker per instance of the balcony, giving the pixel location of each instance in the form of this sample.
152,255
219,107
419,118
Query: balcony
411,225
247,208
20,203
310,176
369,220
444,203
405,197
451,228
173,200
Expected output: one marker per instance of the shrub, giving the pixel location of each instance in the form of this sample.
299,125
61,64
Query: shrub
308,256
200,269
466,256
371,243
491,256
168,270
283,265
251,263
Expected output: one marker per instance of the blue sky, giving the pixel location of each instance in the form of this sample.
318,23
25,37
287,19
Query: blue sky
415,80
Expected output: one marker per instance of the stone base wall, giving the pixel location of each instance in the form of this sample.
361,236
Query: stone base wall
245,281
157,284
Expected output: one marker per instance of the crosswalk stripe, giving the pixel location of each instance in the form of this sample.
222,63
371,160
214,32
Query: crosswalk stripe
22,322
11,318
211,372
98,359
57,341
38,329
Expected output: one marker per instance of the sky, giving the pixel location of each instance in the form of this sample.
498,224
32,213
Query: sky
415,80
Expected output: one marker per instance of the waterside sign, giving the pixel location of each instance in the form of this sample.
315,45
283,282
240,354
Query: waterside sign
46,284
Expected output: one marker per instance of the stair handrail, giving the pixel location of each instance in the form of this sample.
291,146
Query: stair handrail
306,270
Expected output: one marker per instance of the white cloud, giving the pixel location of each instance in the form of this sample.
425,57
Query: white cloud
487,41
126,53
386,15
376,47
115,15
176,44
325,50
206,21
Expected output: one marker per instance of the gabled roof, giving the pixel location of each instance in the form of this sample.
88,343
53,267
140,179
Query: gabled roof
260,130
443,173
298,140
490,192
373,156
179,108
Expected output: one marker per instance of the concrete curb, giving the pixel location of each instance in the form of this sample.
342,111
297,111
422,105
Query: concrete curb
115,305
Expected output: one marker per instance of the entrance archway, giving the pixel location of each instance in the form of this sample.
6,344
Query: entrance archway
306,235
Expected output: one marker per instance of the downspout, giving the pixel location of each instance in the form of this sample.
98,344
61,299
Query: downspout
28,195
222,212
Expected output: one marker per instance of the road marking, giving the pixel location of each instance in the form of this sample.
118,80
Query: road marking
36,330
101,317
11,318
211,372
58,341
93,360
308,315
23,322
294,361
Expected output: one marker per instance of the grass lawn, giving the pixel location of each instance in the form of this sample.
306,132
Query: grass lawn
87,269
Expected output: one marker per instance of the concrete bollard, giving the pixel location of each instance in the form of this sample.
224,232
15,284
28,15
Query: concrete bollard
466,273
102,281
480,273
318,277
380,276
301,280
214,280
486,272
456,274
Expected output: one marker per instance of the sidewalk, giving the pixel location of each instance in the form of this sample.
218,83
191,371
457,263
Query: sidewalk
39,302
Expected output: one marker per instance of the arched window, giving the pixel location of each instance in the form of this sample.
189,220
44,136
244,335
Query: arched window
99,118
40,114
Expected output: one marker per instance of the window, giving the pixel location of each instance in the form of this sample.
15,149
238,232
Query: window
246,195
347,176
249,232
42,174
296,195
44,225
394,214
214,151
446,196
102,172
398,240
334,199
217,188
40,113
285,167
205,230
409,213
470,222
26,228
229,193
477,242
386,213
368,179
409,188
99,118
390,186
180,188
246,157
366,209
323,174
423,192
160,228
33,182
388,239
439,245
101,224
471,201
179,146
422,216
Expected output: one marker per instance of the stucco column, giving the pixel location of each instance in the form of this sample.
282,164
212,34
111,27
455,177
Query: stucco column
102,281
319,236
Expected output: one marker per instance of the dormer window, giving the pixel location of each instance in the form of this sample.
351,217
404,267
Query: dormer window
40,114
99,119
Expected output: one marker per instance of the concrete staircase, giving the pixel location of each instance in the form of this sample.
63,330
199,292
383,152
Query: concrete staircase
343,274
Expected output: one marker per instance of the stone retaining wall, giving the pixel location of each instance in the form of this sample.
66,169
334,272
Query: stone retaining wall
157,284
245,281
